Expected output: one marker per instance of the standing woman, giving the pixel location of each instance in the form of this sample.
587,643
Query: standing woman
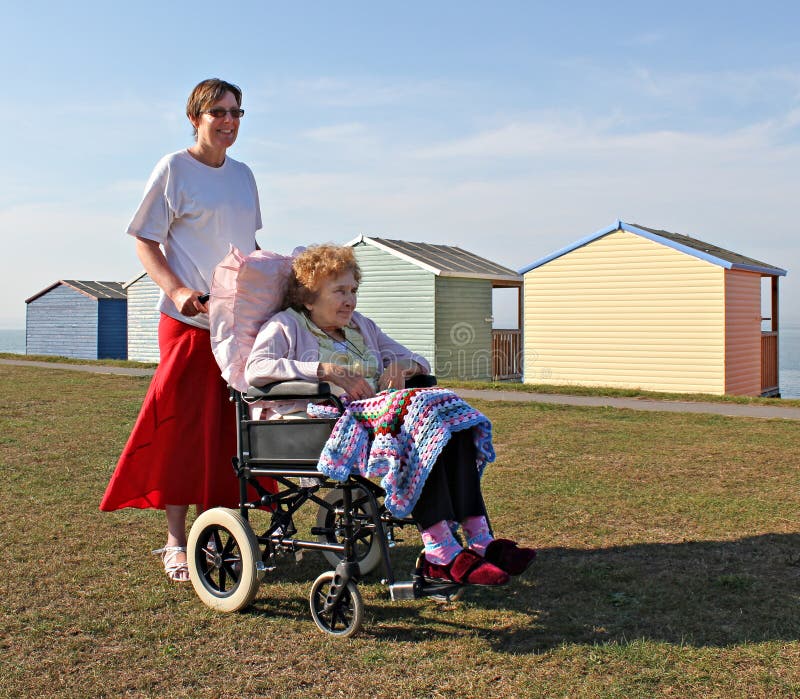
197,203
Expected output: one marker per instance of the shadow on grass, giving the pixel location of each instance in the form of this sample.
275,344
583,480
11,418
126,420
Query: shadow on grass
708,593
412,618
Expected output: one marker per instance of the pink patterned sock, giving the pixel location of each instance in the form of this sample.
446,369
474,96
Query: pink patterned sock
441,546
476,529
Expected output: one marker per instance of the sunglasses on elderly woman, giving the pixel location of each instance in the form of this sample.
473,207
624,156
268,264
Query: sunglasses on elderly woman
219,112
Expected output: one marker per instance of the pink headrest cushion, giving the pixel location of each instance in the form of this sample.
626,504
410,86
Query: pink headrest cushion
246,291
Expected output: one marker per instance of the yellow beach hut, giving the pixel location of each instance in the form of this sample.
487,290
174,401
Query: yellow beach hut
635,307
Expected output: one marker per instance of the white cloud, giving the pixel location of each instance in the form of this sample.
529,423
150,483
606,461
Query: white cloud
563,134
337,133
512,140
131,187
681,90
513,193
736,189
643,39
351,92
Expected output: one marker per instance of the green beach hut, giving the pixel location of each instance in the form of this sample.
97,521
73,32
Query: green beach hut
437,300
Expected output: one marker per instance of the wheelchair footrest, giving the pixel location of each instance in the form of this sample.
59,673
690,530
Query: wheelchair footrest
418,587
404,590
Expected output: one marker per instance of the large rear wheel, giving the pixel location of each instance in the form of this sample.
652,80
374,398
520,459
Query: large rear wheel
223,556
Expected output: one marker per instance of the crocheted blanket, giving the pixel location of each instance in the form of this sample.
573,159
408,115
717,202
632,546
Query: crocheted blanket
397,436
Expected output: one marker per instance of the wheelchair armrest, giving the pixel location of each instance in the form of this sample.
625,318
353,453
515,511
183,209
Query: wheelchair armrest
283,390
286,390
421,381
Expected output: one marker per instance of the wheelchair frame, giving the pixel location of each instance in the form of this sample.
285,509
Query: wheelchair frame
228,560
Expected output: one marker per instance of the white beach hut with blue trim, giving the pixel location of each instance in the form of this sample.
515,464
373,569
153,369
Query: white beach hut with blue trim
78,319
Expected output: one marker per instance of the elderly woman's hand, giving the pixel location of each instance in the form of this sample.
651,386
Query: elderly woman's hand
393,376
396,373
354,385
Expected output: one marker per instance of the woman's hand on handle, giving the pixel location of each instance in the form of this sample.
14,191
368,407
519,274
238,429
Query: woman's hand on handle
187,301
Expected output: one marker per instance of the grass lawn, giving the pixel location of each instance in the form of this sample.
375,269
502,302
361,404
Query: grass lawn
669,567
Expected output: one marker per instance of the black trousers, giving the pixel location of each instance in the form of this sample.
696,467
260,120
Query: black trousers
453,488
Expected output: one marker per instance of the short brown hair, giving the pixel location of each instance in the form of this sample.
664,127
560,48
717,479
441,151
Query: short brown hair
207,93
315,263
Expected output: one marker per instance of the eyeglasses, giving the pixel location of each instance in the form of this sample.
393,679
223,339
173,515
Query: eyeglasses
219,112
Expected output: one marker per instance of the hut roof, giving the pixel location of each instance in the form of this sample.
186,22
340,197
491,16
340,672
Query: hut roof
444,260
133,280
692,246
93,289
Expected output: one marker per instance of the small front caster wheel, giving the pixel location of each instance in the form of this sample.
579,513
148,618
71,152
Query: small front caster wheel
344,618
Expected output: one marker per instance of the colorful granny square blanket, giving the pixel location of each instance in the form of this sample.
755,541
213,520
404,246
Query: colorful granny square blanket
397,436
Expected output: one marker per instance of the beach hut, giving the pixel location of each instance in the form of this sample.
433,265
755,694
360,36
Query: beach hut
437,300
80,319
635,307
143,317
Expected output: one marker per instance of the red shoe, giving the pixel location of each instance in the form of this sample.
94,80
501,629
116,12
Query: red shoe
467,568
506,555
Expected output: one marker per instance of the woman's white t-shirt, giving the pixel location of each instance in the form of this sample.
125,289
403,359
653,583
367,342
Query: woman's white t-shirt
196,213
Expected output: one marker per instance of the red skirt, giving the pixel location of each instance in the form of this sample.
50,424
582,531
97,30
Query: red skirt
180,450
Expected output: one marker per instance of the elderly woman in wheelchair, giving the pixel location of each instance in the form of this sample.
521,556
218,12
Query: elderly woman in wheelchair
320,336
328,375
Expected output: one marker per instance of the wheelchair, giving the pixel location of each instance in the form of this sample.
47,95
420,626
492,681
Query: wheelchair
352,529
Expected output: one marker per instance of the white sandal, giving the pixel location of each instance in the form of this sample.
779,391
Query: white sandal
177,571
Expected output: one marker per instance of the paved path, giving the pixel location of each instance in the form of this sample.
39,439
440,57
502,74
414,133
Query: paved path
729,409
92,368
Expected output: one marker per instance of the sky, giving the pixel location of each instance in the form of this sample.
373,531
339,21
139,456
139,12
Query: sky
510,129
